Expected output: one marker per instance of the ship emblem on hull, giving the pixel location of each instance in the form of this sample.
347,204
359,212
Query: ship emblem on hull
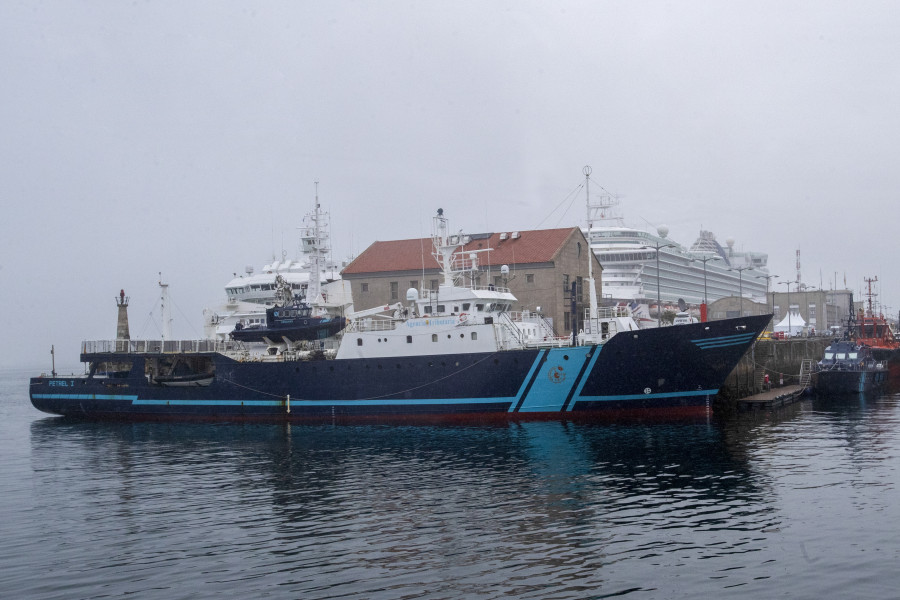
557,374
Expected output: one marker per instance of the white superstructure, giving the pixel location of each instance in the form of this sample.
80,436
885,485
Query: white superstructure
461,318
706,270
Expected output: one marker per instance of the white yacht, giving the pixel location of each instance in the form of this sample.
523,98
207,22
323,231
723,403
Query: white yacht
640,266
248,295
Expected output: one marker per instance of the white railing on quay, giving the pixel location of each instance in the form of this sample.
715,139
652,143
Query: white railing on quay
158,346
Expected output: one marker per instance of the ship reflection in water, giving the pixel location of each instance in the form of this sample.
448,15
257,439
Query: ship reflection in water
513,510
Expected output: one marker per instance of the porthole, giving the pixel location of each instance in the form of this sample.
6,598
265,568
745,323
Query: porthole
565,357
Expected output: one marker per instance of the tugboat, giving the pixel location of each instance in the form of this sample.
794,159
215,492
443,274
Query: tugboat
289,323
849,368
872,329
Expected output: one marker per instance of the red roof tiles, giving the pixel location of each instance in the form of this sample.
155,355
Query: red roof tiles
539,246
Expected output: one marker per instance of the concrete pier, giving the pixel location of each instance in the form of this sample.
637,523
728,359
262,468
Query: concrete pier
781,360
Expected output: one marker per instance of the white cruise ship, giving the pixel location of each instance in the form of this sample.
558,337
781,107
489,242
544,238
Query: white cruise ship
706,271
248,295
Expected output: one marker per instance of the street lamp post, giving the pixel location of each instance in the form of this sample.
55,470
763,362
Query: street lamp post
658,246
740,271
704,261
788,284
768,278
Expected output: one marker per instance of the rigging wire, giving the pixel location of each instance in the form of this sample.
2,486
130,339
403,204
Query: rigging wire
570,197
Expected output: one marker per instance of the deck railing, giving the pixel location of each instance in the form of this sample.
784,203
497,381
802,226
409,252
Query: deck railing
158,346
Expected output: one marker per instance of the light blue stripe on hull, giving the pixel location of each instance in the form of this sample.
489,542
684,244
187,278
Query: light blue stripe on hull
648,396
134,400
84,397
300,402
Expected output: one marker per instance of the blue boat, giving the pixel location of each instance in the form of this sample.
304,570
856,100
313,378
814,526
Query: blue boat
290,322
849,368
453,353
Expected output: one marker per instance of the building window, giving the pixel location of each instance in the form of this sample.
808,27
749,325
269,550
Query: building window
529,278
567,319
414,285
497,280
434,284
364,288
395,290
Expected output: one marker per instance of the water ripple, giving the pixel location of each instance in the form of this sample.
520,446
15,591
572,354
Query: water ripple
798,503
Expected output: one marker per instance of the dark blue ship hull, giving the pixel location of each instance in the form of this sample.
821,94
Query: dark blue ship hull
855,381
676,370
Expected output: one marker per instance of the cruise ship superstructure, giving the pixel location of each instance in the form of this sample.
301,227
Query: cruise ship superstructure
629,259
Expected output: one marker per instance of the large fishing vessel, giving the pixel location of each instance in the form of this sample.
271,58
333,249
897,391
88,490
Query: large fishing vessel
641,267
457,352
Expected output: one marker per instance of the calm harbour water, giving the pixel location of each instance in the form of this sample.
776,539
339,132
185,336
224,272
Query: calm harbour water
799,503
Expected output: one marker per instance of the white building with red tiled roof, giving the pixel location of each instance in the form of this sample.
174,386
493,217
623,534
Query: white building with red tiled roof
542,265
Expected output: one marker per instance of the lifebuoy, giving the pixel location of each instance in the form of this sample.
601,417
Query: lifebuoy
463,317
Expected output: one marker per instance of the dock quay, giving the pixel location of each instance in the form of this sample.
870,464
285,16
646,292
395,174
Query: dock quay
772,398
787,363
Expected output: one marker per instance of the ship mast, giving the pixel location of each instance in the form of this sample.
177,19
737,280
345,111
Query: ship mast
592,294
314,239
870,294
165,310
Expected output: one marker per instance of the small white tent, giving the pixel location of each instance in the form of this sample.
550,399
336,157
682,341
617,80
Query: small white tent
792,325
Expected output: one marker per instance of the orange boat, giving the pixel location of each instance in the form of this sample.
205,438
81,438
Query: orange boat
872,329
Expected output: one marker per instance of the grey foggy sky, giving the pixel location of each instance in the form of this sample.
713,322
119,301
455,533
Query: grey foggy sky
185,137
